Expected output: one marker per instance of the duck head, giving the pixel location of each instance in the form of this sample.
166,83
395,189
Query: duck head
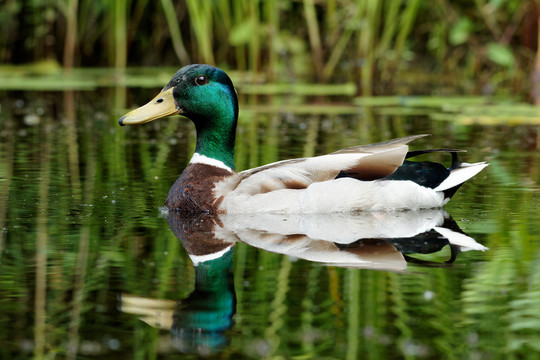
205,95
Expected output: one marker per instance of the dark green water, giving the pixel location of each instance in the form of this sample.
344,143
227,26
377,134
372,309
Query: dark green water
90,268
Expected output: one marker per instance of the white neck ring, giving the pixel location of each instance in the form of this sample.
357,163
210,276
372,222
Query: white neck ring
201,159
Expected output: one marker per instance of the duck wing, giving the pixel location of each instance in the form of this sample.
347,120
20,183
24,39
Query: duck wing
366,162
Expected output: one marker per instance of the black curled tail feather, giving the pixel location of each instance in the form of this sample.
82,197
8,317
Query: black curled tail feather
427,173
456,160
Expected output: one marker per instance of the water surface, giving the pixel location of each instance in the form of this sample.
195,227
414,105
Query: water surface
91,268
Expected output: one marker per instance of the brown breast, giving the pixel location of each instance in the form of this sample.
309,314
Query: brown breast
193,191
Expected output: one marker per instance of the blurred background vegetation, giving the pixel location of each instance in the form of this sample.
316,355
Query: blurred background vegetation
79,195
482,47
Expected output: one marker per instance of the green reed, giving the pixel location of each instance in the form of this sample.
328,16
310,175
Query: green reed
120,33
71,33
201,17
176,35
368,42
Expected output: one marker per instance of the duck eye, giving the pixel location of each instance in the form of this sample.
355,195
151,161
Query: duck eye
201,80
159,101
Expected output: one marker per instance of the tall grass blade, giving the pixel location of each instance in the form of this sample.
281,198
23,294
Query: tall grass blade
120,33
174,29
71,33
310,15
339,49
406,24
201,20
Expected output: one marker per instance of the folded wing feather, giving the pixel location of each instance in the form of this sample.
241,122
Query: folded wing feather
367,162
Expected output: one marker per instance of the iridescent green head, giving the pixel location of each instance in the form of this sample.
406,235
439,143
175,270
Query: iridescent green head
205,95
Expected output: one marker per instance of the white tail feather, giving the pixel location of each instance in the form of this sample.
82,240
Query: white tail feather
460,175
465,242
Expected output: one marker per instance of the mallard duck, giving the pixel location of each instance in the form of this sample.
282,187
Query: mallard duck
373,177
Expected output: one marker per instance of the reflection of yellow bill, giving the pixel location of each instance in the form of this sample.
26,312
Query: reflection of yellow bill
160,106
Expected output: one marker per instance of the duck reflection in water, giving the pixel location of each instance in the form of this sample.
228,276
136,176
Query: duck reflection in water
367,240
201,319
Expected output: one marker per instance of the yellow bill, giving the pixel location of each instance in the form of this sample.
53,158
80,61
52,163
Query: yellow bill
160,106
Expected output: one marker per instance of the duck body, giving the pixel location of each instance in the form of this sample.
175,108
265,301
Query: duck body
373,177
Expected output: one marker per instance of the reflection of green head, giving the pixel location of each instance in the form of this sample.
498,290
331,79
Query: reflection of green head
201,319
